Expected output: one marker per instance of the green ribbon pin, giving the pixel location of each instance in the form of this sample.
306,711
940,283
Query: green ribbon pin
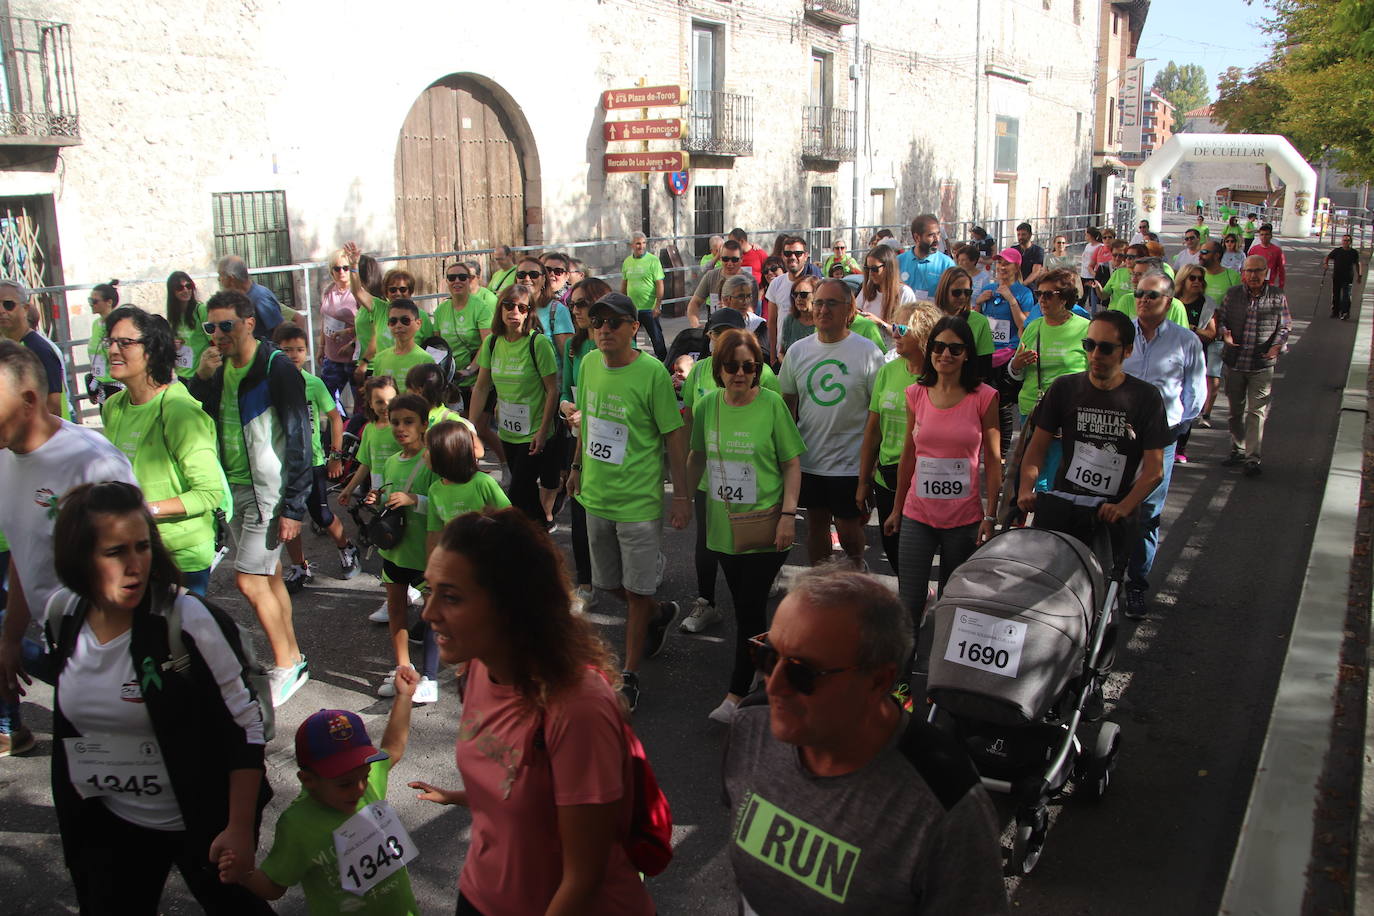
150,675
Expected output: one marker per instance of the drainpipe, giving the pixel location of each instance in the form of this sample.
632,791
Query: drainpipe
858,135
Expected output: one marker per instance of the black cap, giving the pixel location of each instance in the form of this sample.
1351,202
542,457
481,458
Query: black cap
619,303
725,318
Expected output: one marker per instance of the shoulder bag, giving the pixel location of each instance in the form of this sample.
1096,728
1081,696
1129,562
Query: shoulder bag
754,530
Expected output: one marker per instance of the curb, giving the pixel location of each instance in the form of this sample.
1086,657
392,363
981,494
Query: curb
1269,869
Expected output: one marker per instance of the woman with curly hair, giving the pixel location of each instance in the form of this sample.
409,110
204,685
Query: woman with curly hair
541,747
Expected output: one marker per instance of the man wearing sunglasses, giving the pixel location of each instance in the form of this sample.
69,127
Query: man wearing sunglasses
1170,357
839,254
1126,302
464,320
262,420
1190,253
1217,278
840,800
234,277
17,322
921,266
629,415
642,280
1113,433
403,320
1255,322
796,259
731,260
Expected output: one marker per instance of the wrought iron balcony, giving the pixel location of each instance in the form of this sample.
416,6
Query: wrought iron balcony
833,12
37,84
720,124
827,133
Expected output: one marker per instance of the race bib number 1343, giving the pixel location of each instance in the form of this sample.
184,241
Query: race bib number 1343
372,845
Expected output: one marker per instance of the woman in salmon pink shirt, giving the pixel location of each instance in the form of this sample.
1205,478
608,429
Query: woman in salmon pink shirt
950,416
541,746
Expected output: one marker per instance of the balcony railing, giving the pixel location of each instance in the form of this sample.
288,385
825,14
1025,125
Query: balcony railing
720,124
833,12
827,133
37,83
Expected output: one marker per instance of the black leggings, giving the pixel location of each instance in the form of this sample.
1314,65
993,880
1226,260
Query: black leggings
885,500
529,472
582,554
707,560
750,577
119,869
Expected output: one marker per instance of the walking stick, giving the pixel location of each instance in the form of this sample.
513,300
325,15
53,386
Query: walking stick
1319,290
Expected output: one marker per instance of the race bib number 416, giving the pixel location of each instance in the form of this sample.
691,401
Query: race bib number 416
372,845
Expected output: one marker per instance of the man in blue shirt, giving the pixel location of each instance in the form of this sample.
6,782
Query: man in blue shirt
233,277
1169,357
923,264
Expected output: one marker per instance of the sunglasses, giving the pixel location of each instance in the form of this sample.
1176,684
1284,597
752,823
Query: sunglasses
731,366
801,294
900,330
555,271
615,321
578,303
1049,294
515,307
122,343
1190,238
725,260
399,319
340,268
955,349
457,278
964,293
873,268
1107,347
801,676
403,290
794,254
1149,295
224,327
185,284
528,274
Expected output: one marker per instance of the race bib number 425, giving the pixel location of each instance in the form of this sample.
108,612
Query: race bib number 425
606,440
115,765
372,845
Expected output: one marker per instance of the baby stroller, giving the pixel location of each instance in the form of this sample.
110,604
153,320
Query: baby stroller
1024,636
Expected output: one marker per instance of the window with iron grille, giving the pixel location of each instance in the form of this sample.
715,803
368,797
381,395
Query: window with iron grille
709,218
820,218
253,225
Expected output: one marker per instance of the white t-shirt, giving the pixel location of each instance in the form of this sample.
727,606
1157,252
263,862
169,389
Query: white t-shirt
780,294
874,306
752,321
1085,263
1185,257
833,383
33,483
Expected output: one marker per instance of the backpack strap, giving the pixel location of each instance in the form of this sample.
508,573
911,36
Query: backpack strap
64,616
178,658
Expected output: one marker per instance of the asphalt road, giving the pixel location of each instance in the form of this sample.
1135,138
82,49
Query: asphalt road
1192,689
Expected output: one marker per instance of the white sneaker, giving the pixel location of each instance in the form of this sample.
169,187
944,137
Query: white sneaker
724,712
702,615
426,692
416,599
584,597
381,615
388,686
286,681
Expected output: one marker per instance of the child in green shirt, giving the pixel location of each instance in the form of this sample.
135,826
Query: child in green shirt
290,339
341,774
458,487
377,444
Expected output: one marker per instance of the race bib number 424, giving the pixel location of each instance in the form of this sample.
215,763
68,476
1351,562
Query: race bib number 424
372,845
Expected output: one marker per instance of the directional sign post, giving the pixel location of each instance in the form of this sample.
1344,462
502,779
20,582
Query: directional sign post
661,129
641,97
642,131
646,162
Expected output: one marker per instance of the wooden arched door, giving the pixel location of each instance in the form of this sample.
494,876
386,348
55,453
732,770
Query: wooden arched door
462,170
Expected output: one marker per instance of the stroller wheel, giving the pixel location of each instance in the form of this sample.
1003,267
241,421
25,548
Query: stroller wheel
1097,774
1031,827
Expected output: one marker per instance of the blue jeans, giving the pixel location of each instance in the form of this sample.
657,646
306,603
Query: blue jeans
649,321
1340,298
1151,515
197,582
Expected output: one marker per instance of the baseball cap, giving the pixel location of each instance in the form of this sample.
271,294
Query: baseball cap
725,318
1010,254
333,741
615,302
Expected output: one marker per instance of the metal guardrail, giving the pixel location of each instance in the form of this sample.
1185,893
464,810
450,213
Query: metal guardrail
37,82
828,133
720,124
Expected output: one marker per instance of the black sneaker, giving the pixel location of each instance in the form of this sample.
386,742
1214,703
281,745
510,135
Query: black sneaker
629,687
1237,457
1135,603
1252,468
658,628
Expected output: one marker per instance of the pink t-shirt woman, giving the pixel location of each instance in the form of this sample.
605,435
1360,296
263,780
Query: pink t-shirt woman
339,310
944,490
518,766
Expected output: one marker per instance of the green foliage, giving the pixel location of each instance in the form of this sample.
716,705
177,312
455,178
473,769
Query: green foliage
1185,87
1317,85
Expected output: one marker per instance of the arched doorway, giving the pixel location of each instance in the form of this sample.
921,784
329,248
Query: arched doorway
467,171
1239,149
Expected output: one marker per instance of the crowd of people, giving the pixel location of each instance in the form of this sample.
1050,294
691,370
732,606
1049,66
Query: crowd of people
892,382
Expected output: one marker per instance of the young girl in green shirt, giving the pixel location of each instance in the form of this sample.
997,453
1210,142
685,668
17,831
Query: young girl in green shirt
459,487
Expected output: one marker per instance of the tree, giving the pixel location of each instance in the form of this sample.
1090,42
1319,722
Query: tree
1185,87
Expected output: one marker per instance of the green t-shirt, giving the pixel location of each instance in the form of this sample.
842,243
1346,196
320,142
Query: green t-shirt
377,445
888,401
303,853
448,500
519,385
96,353
1231,230
233,452
1126,303
700,382
319,402
1217,284
1251,227
410,553
1061,353
462,328
626,412
640,275
865,327
744,448
499,280
573,359
982,332
377,320
194,340
396,365
1117,283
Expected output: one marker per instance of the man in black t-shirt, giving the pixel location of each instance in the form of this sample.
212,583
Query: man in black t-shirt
1346,263
1032,255
1112,433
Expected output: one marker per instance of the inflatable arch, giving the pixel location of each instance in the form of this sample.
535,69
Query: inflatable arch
1265,149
